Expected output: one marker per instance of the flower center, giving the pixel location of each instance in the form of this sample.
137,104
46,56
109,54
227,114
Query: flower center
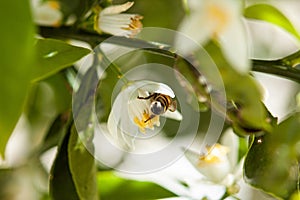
216,154
54,4
135,25
145,122
219,16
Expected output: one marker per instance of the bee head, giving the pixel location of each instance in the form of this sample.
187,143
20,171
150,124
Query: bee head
157,108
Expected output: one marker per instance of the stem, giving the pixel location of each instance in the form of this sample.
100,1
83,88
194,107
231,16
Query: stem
67,32
276,67
284,67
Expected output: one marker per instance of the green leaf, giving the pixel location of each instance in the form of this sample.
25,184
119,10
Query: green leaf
271,14
82,167
61,182
55,55
114,187
272,163
73,175
243,96
55,132
17,39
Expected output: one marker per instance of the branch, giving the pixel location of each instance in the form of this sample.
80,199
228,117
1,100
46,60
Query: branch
277,67
284,67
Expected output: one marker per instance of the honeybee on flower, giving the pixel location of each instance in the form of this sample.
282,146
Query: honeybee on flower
131,115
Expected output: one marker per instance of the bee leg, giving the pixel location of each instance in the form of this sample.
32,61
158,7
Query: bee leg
151,117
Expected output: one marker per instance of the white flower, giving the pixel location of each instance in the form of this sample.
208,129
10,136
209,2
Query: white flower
110,20
219,164
131,116
214,165
46,13
221,20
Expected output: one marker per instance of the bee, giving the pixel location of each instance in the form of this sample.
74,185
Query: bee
160,103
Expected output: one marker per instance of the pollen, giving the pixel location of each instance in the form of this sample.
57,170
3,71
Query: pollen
145,123
215,155
135,25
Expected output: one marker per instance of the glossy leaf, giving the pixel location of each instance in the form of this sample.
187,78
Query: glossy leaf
243,96
55,132
271,14
73,175
17,42
272,161
61,182
83,99
55,55
82,167
114,187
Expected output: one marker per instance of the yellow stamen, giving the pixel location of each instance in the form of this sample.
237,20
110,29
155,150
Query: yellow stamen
135,25
215,155
145,123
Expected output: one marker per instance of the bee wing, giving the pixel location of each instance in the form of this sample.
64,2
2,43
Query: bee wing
176,115
173,106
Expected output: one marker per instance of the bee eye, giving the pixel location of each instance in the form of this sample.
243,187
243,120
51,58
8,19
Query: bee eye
157,108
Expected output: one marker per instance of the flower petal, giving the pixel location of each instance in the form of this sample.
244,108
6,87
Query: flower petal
234,46
47,15
155,87
115,9
173,115
215,165
230,140
116,123
188,28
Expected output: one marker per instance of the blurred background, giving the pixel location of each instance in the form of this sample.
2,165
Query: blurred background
24,175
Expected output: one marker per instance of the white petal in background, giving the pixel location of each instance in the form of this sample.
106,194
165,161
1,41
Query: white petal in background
234,46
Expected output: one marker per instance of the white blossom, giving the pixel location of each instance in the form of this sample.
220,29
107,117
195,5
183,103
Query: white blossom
111,20
220,164
130,116
46,13
219,20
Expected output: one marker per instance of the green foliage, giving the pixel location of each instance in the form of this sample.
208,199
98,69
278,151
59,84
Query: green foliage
55,55
73,175
268,13
16,58
114,187
76,7
272,163
82,168
55,132
158,13
244,105
18,68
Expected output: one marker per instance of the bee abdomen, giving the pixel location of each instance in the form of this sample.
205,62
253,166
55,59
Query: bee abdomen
164,101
